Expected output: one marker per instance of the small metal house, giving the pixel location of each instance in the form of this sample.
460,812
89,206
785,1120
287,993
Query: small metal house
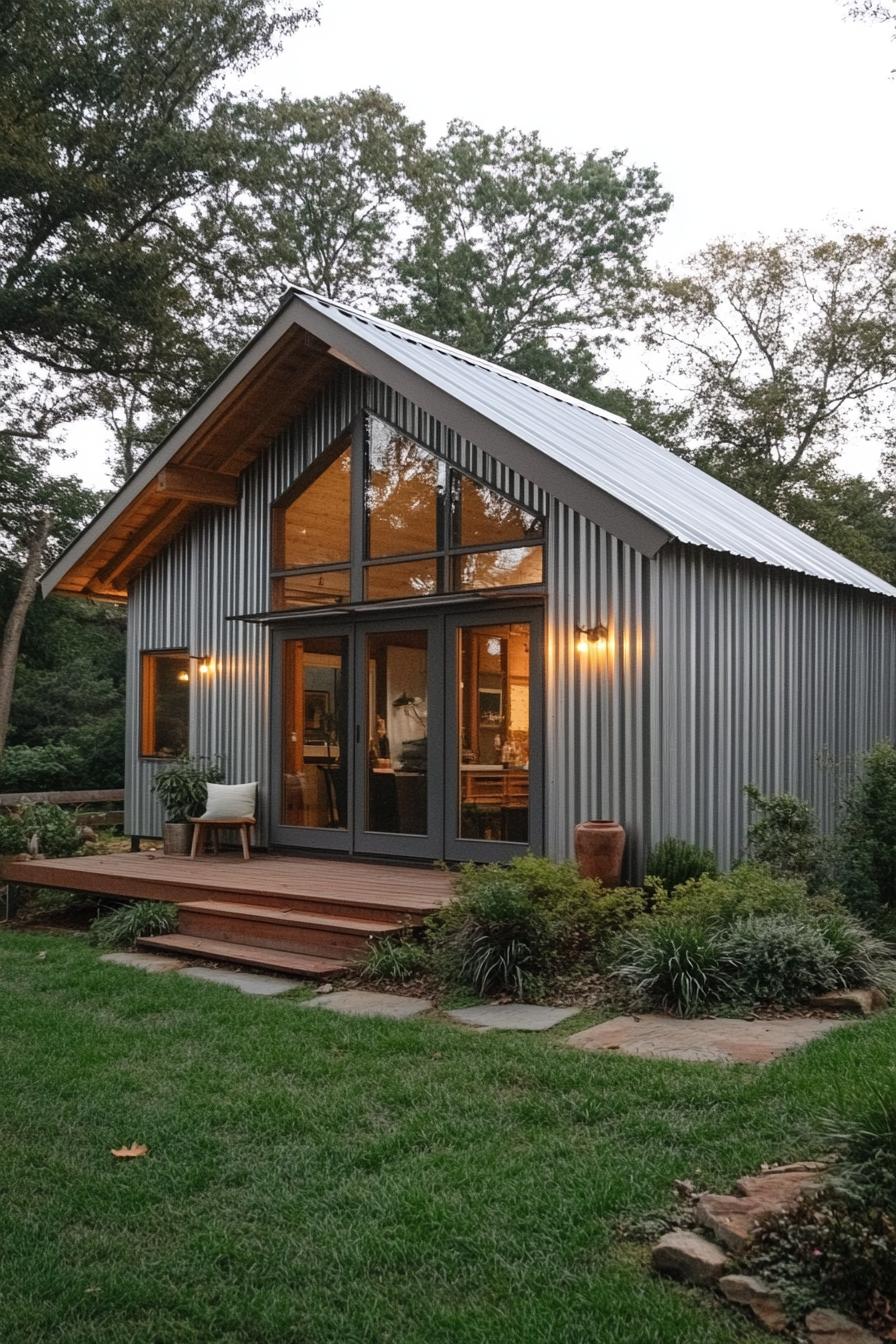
438,610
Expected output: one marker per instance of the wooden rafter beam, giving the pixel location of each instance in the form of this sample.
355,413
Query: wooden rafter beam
115,573
198,485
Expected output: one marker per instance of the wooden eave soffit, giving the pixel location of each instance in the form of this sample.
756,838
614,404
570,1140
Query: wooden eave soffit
197,485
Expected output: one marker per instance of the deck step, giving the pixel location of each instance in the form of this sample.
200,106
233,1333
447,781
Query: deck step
297,918
256,958
279,925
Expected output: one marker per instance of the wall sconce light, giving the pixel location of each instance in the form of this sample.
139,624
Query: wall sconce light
206,666
591,637
183,676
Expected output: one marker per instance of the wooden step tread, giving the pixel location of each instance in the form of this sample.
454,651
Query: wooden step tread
288,914
261,958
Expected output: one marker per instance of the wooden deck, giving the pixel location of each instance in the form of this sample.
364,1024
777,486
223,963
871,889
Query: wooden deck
310,916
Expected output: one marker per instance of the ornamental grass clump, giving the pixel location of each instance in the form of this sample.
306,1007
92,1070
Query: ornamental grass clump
396,959
782,959
675,964
141,919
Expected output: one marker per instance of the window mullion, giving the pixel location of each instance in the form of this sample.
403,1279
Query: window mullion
358,544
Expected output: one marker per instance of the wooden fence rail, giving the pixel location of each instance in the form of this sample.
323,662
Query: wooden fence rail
66,798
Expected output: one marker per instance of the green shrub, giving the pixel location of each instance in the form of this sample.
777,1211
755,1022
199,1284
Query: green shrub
784,835
56,830
182,787
395,959
526,920
780,959
89,755
749,889
837,1245
13,836
676,964
141,919
677,861
866,839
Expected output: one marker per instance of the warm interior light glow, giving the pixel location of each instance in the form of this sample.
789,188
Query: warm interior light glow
582,644
183,676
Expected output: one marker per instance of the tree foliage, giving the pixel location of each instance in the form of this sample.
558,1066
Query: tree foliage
781,354
527,255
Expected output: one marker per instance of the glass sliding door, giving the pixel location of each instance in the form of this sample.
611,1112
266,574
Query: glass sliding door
312,747
495,737
399,735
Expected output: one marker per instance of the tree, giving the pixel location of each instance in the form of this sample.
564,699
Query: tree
319,197
113,124
526,255
781,352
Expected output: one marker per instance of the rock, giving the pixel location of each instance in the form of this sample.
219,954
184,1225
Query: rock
829,1327
688,1256
775,1189
864,1001
763,1300
797,1166
731,1218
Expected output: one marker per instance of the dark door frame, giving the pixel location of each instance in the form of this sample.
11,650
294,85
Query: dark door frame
443,760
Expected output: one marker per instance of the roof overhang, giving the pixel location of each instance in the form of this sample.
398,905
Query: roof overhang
267,385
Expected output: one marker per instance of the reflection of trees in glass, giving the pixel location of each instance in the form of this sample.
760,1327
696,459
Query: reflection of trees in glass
486,516
402,492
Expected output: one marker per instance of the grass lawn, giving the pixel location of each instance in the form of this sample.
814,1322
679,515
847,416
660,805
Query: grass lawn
321,1180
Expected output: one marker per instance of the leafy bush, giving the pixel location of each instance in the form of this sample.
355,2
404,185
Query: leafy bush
56,830
838,1245
13,836
784,835
526,920
749,889
89,755
780,959
866,840
141,919
677,861
675,963
395,959
182,786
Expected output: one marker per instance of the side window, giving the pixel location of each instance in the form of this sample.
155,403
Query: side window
164,703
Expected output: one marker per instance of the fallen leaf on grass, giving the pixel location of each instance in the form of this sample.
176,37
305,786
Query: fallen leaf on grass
135,1150
41,956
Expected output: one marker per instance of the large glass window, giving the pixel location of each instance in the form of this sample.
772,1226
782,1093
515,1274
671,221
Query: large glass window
463,535
165,703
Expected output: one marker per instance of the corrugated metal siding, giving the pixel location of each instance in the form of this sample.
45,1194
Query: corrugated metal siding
689,504
758,677
597,703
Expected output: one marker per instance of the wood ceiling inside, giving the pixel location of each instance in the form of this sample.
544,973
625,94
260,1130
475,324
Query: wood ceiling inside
206,468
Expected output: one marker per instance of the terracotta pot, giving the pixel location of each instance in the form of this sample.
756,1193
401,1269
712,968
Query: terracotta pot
177,837
599,848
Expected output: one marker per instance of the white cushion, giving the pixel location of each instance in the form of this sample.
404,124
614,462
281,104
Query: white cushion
229,802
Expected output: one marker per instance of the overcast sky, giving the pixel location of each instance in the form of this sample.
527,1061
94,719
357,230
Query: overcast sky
761,115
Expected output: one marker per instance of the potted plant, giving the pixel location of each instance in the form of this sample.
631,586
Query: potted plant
181,789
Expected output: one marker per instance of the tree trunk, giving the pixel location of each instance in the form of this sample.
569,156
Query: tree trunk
15,622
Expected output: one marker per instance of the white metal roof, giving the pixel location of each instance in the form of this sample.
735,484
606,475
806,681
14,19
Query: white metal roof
604,451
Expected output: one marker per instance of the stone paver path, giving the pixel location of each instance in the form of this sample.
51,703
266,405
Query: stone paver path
248,982
511,1016
368,1003
719,1040
147,961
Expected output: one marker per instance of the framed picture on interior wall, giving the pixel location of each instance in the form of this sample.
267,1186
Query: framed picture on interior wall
317,711
491,707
